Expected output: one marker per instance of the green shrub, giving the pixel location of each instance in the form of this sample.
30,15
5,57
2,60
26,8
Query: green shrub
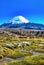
34,60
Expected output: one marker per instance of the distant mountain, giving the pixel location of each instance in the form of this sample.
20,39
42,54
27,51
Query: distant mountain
18,20
22,23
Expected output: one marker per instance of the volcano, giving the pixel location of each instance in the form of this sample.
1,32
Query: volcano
22,23
19,19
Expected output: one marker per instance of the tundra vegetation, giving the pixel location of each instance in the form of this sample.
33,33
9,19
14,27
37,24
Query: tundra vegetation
21,51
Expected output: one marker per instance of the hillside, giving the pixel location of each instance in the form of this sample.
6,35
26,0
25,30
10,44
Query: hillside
21,33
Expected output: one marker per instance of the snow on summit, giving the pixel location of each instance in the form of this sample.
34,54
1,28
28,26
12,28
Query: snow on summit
19,19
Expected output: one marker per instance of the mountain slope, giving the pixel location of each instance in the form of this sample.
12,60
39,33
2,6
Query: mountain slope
22,23
19,19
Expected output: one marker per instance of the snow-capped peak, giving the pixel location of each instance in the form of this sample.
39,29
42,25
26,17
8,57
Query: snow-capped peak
19,19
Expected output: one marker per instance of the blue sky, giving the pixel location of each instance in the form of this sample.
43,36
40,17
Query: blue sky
31,9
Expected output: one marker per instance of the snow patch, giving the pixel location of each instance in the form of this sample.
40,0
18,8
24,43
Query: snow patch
19,19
